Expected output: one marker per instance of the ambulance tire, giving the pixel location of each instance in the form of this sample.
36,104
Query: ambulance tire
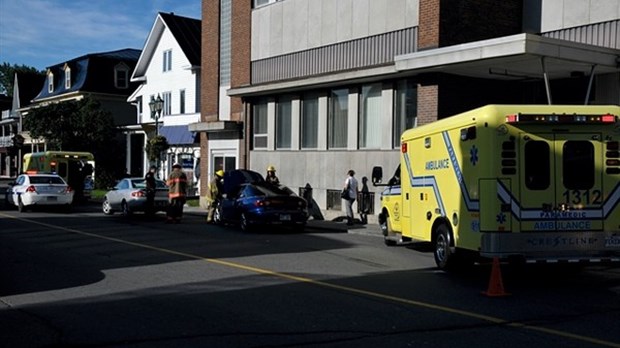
386,227
444,257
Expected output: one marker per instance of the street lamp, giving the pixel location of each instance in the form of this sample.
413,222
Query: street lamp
156,106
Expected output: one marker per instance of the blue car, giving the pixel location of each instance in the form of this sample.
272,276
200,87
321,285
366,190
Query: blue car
250,201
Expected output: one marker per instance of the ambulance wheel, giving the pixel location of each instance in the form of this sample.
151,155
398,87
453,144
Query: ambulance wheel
444,257
388,239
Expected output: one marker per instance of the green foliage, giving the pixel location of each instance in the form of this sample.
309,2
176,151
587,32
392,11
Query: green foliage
7,76
155,146
81,126
71,125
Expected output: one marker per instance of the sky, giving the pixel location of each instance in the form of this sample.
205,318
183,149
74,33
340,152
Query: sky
42,33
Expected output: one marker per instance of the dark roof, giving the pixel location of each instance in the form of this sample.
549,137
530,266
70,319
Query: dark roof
187,32
29,86
122,54
92,73
5,102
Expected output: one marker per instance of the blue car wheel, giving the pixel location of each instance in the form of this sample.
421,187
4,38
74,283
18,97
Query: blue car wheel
244,223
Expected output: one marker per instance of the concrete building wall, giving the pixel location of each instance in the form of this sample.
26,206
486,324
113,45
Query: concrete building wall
563,14
297,25
325,170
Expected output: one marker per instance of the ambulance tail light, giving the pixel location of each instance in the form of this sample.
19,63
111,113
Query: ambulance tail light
403,147
561,118
512,118
608,118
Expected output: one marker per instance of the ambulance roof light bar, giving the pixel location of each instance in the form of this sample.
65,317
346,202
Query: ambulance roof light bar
560,118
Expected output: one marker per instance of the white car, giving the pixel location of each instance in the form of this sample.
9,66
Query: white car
30,190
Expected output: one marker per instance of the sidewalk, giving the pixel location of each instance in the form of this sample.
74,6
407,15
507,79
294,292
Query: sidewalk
335,225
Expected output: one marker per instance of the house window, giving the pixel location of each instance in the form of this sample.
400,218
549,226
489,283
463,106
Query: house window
121,76
338,114
224,163
405,109
50,82
139,104
167,63
310,121
167,109
67,77
370,116
259,124
283,123
182,101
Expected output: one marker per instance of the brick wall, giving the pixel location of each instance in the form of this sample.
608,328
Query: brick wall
209,78
428,29
427,104
240,49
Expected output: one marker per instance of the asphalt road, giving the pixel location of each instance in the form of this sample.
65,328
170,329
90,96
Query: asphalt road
88,280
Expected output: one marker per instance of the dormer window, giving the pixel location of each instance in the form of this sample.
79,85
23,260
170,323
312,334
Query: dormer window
50,82
121,76
167,63
67,77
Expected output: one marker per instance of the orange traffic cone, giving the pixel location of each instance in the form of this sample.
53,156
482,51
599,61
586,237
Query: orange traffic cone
496,286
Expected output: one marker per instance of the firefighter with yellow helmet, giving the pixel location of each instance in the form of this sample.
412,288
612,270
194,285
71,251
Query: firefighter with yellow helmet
271,176
214,194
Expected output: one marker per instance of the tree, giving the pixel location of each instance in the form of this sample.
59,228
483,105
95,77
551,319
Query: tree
80,126
7,76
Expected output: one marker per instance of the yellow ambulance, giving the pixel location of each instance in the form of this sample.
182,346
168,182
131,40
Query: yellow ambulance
535,183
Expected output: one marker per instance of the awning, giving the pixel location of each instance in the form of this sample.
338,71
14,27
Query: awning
178,135
515,57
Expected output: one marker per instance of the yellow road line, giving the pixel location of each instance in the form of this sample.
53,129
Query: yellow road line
391,298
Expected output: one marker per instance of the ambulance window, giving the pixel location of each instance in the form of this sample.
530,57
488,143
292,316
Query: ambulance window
578,164
395,180
537,166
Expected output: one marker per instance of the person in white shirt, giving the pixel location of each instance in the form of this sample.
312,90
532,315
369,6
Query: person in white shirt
351,186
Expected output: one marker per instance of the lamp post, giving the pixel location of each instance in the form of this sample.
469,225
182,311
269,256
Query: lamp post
156,106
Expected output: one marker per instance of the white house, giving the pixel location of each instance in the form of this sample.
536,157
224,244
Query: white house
168,68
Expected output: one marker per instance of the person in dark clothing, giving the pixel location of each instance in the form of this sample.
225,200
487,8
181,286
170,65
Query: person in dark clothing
151,186
364,203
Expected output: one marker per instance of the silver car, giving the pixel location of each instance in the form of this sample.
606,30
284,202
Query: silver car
129,196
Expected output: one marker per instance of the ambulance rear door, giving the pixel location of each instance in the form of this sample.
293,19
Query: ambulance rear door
561,182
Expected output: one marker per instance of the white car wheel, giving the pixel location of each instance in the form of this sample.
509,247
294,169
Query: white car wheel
106,207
